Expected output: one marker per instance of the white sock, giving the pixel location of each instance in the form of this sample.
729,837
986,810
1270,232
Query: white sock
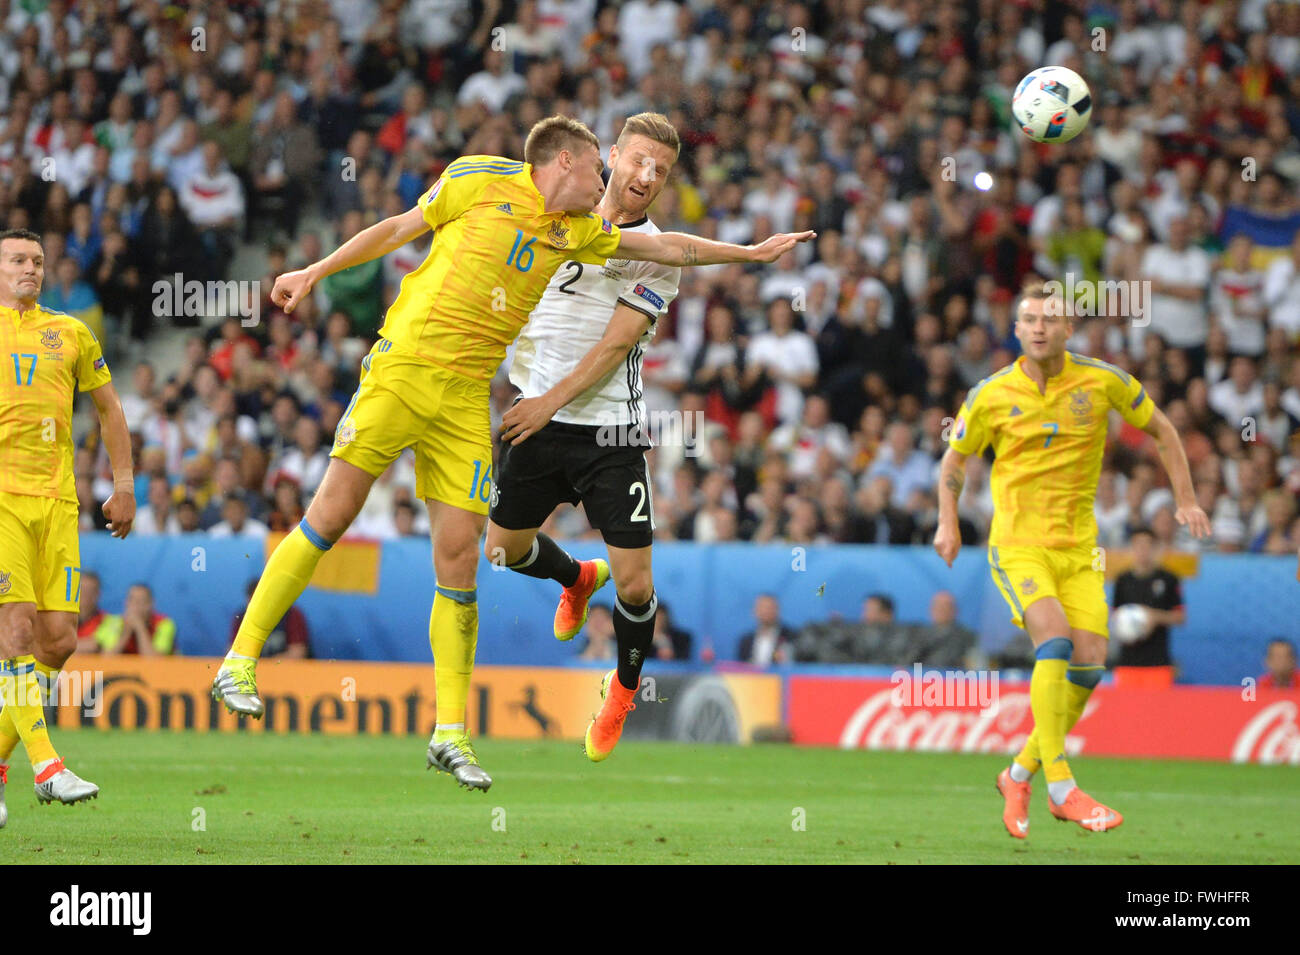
448,727
1060,790
1020,774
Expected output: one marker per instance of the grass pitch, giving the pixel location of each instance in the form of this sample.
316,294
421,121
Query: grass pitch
225,798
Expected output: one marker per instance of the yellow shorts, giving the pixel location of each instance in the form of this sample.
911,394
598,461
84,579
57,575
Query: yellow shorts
405,402
40,552
1074,577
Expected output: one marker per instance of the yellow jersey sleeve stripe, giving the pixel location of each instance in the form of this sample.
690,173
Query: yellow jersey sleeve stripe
488,170
1104,366
970,398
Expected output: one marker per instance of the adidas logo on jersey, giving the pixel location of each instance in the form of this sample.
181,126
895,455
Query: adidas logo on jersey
1015,410
505,207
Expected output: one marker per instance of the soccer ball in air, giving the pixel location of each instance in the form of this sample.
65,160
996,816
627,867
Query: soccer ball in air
1130,623
1052,104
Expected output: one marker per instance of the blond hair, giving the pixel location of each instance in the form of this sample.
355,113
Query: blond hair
550,136
653,126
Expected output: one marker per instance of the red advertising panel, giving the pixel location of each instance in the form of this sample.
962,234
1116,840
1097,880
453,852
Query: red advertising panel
1241,725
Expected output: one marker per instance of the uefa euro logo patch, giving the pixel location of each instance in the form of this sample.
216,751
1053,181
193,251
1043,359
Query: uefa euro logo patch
1027,586
50,339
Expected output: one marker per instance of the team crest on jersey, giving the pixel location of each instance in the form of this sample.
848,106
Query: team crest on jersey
1080,403
5,583
345,435
558,235
1028,586
50,339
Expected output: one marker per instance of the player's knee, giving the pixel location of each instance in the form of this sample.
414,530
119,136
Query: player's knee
17,629
636,590
54,644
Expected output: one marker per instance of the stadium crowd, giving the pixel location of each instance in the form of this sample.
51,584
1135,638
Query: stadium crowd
152,143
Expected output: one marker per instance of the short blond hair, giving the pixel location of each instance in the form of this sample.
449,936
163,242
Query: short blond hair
653,126
1036,289
550,136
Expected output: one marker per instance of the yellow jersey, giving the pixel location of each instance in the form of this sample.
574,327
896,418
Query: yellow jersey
44,357
1048,446
495,248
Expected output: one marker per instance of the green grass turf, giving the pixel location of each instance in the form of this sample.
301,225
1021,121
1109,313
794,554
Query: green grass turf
344,799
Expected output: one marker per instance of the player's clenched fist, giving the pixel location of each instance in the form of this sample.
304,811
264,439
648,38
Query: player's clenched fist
120,511
947,541
291,288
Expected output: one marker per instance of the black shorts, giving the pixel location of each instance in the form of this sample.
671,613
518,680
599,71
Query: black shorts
568,463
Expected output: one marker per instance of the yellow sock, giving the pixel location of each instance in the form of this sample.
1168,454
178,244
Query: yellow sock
1076,698
8,734
20,693
286,576
453,636
1047,700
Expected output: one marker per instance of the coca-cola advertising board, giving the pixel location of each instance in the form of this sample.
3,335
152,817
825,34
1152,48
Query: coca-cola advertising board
1186,722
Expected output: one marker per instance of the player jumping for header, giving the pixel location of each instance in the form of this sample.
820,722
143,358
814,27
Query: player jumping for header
577,432
502,228
1045,416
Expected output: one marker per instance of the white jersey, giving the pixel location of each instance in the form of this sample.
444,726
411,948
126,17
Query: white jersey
571,318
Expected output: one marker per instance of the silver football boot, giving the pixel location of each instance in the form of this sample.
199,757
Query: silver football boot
456,756
66,787
236,686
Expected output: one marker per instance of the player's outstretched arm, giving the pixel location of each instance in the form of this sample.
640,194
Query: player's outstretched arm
952,478
681,249
1174,458
372,243
120,507
525,418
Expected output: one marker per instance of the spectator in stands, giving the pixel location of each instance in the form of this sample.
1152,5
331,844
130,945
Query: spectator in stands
1280,662
213,197
907,468
306,461
289,639
770,640
282,165
157,517
671,642
599,631
96,627
235,521
944,643
1149,585
144,631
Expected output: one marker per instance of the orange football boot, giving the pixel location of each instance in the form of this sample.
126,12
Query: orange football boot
571,614
607,727
1015,813
1081,808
